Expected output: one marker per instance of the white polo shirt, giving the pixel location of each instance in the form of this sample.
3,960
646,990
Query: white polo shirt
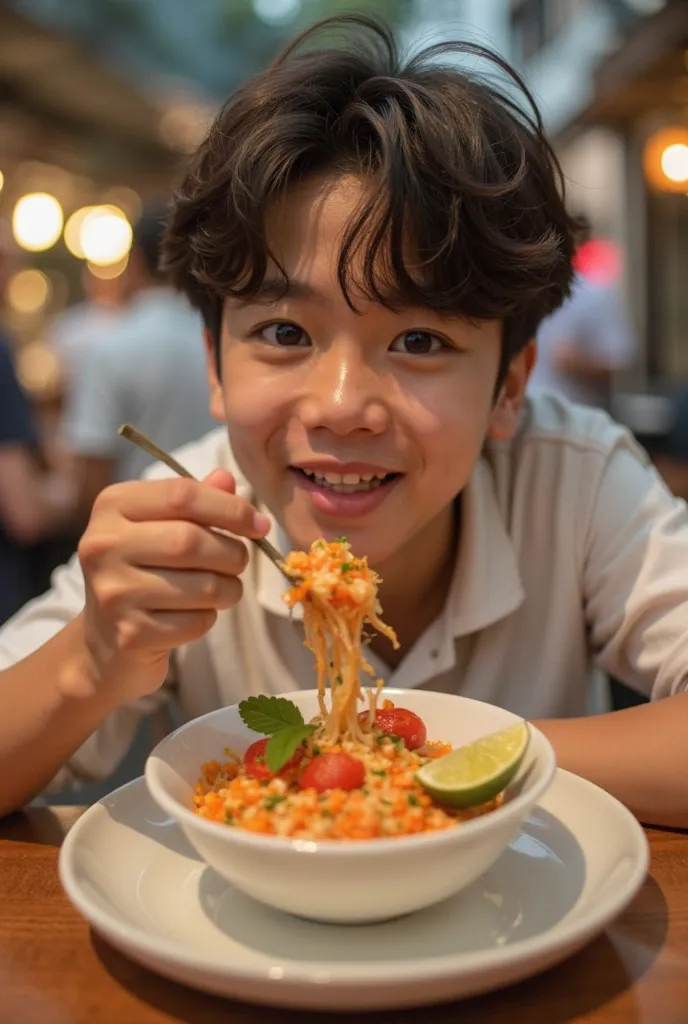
572,551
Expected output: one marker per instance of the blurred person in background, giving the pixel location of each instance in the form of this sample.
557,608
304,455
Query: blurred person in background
589,339
33,503
75,330
149,370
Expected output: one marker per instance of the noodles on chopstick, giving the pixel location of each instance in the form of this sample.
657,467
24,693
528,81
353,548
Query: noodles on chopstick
339,596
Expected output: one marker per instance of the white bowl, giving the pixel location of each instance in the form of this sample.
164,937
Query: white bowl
355,881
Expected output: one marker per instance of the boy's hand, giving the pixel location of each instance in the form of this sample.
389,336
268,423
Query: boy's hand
156,575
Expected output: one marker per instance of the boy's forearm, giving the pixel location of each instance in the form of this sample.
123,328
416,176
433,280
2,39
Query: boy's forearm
49,706
639,755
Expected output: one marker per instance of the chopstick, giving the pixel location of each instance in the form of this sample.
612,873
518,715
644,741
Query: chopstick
136,437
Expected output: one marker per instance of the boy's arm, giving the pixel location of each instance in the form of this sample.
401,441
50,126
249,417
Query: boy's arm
634,565
44,677
49,705
156,574
639,755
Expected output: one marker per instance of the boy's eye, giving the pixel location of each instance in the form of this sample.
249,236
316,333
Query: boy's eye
285,335
418,343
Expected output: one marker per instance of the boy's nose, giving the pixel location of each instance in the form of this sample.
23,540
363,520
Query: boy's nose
344,395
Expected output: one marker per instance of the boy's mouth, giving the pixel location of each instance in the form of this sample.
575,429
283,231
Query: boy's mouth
347,483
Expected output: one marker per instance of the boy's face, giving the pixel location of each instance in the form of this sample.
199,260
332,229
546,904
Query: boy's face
366,424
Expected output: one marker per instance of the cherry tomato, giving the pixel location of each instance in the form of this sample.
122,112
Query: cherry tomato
255,764
399,722
333,771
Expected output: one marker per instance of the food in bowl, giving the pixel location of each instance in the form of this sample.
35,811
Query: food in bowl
352,881
348,774
345,791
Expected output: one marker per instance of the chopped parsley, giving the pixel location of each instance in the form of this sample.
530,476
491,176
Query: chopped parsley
272,801
379,771
413,800
228,819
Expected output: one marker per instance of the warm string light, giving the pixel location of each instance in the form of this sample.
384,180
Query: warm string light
102,235
37,221
665,159
28,291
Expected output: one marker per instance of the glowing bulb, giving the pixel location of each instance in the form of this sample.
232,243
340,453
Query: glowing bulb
37,221
72,231
674,162
28,291
106,235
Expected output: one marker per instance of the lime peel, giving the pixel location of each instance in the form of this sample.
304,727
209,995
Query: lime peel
477,772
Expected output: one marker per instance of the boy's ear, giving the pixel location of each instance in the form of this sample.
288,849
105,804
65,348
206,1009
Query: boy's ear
217,403
507,408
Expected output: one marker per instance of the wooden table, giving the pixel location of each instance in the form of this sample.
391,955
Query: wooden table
54,970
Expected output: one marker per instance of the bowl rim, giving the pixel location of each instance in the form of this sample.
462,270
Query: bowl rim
515,810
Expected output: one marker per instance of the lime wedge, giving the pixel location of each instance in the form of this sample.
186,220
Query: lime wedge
476,773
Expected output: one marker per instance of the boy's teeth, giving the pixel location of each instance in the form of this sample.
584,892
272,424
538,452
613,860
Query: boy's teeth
353,479
348,483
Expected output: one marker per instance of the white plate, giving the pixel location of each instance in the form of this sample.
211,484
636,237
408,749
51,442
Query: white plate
578,862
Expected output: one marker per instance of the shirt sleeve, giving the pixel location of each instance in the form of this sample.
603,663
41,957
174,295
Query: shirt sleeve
95,405
635,576
16,423
33,626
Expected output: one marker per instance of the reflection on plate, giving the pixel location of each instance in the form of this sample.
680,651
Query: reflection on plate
579,860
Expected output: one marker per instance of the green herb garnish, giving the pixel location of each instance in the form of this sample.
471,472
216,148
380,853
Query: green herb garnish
379,771
279,719
341,540
413,800
228,819
272,801
346,566
269,714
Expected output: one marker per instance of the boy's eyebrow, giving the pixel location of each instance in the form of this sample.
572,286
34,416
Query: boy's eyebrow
273,289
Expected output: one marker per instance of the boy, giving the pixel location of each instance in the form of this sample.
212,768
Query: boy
372,246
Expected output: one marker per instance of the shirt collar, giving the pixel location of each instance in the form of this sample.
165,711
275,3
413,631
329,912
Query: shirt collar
486,585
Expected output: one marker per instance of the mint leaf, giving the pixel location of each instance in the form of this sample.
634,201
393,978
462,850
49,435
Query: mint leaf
269,714
284,743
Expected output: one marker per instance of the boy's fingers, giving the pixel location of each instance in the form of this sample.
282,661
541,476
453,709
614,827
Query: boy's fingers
166,545
146,632
183,499
186,590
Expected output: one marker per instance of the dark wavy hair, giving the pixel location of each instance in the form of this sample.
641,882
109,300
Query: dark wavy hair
465,213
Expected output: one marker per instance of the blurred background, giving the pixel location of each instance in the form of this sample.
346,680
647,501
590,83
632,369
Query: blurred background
102,100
